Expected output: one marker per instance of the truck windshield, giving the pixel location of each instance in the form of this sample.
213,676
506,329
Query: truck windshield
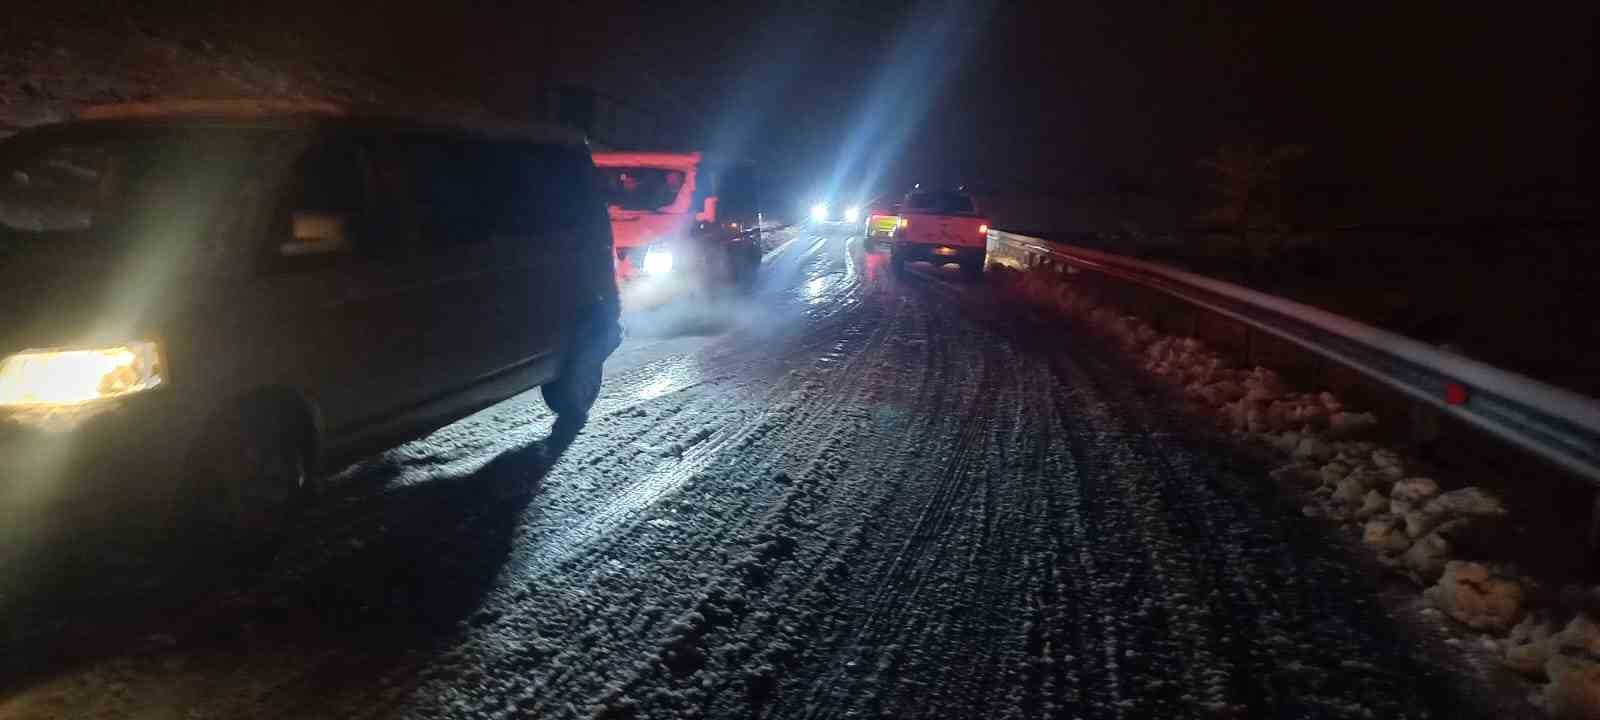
940,203
639,188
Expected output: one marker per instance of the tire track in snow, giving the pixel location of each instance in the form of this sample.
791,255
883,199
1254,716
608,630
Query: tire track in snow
540,697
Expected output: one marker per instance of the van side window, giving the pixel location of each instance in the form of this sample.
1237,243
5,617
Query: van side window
441,180
466,191
327,196
331,178
543,190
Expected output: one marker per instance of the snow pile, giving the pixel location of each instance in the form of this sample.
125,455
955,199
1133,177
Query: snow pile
1574,671
1527,649
1568,658
1566,655
1403,518
1481,596
1405,521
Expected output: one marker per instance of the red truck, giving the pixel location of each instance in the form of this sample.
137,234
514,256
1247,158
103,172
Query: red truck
940,227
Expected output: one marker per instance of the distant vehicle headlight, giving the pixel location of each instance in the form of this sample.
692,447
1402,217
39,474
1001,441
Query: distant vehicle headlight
852,214
819,212
657,261
74,376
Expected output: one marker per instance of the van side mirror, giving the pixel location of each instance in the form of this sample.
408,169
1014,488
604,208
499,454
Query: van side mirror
315,233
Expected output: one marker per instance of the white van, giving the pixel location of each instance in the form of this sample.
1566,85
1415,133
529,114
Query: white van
203,308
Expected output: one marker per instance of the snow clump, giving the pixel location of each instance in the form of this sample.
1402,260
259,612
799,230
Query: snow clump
1479,596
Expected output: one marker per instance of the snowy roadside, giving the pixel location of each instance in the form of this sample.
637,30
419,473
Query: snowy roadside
1415,525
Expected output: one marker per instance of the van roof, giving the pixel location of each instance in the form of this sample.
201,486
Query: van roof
254,113
242,108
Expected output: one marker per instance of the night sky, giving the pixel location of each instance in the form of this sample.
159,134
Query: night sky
1415,105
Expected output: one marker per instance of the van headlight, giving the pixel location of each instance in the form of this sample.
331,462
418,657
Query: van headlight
657,261
74,376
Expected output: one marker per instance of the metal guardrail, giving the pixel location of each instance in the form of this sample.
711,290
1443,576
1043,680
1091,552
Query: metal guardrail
1548,421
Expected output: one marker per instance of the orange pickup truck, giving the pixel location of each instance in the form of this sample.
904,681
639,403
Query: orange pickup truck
940,227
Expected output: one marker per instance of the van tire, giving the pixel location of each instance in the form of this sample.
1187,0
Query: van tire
574,393
250,477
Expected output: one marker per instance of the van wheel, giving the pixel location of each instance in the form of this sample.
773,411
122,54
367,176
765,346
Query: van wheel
251,479
572,394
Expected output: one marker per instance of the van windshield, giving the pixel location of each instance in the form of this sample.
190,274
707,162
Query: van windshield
639,188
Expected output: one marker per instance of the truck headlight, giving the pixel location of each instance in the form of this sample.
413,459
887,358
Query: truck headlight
74,376
657,261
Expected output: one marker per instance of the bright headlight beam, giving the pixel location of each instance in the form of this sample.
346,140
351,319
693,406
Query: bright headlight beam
67,377
657,262
819,212
852,214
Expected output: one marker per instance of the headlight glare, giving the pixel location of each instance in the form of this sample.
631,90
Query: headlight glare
657,262
852,214
74,376
819,212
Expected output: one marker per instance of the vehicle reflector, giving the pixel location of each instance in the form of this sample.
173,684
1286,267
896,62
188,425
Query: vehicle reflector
1456,394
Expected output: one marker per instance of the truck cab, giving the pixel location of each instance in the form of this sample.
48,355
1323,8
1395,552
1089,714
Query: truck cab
677,217
940,227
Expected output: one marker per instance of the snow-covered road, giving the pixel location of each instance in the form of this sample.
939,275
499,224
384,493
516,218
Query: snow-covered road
852,495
